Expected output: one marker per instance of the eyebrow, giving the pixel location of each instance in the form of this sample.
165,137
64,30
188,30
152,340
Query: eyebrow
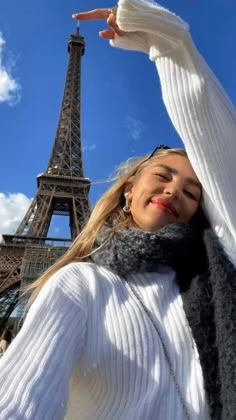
174,171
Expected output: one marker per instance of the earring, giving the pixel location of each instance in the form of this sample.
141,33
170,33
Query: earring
126,208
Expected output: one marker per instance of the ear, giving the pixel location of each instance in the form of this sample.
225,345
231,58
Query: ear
128,191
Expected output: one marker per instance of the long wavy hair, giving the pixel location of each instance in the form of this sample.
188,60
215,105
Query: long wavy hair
108,208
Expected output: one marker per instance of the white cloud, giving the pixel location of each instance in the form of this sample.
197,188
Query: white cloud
12,210
89,148
135,127
9,87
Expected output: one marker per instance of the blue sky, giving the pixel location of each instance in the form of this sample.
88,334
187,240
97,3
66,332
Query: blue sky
122,111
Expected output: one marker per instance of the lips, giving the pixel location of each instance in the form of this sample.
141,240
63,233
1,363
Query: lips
165,205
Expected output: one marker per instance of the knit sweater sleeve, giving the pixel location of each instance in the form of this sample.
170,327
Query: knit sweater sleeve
36,369
199,108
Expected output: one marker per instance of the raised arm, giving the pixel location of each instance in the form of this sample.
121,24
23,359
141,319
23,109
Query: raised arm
197,105
199,108
36,369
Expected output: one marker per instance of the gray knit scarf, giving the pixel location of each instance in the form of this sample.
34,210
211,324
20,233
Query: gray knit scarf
207,281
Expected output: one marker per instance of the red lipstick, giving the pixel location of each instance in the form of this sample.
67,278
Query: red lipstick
165,205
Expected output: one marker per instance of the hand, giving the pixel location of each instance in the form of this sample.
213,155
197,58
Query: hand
105,14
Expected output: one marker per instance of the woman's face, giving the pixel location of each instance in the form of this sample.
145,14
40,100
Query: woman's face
166,191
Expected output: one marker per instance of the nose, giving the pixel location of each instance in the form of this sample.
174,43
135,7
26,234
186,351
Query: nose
172,190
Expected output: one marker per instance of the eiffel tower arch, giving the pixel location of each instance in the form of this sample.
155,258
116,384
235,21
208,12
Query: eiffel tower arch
61,190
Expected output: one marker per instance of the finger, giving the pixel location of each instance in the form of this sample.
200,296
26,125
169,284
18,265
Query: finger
111,21
107,33
92,14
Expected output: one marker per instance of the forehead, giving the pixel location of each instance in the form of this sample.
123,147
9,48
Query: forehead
177,162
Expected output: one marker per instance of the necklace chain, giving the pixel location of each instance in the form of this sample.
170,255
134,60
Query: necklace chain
167,357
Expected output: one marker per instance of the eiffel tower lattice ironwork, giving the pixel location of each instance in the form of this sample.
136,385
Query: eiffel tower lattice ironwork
62,190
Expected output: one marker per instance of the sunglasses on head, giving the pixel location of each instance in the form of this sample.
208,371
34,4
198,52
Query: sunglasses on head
160,147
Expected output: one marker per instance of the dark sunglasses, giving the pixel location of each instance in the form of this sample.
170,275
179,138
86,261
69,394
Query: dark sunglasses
160,147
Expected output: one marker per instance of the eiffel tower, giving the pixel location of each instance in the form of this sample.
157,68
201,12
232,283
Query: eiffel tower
62,190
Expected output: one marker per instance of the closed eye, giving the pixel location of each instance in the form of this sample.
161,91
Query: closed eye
163,177
190,195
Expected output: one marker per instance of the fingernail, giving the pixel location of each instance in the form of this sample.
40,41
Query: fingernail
74,15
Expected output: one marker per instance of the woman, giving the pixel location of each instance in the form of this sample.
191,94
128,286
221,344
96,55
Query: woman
137,321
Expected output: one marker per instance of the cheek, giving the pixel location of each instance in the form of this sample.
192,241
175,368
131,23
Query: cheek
139,202
139,195
191,209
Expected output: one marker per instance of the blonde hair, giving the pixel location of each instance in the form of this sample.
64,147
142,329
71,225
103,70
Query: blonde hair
108,208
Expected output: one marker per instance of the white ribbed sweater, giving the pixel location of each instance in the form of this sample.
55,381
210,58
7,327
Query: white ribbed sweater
86,328
87,324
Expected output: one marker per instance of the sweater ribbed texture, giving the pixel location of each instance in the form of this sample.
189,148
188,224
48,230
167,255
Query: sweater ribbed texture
88,326
36,369
87,350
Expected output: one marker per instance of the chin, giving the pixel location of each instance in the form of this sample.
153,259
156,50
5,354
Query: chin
162,221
